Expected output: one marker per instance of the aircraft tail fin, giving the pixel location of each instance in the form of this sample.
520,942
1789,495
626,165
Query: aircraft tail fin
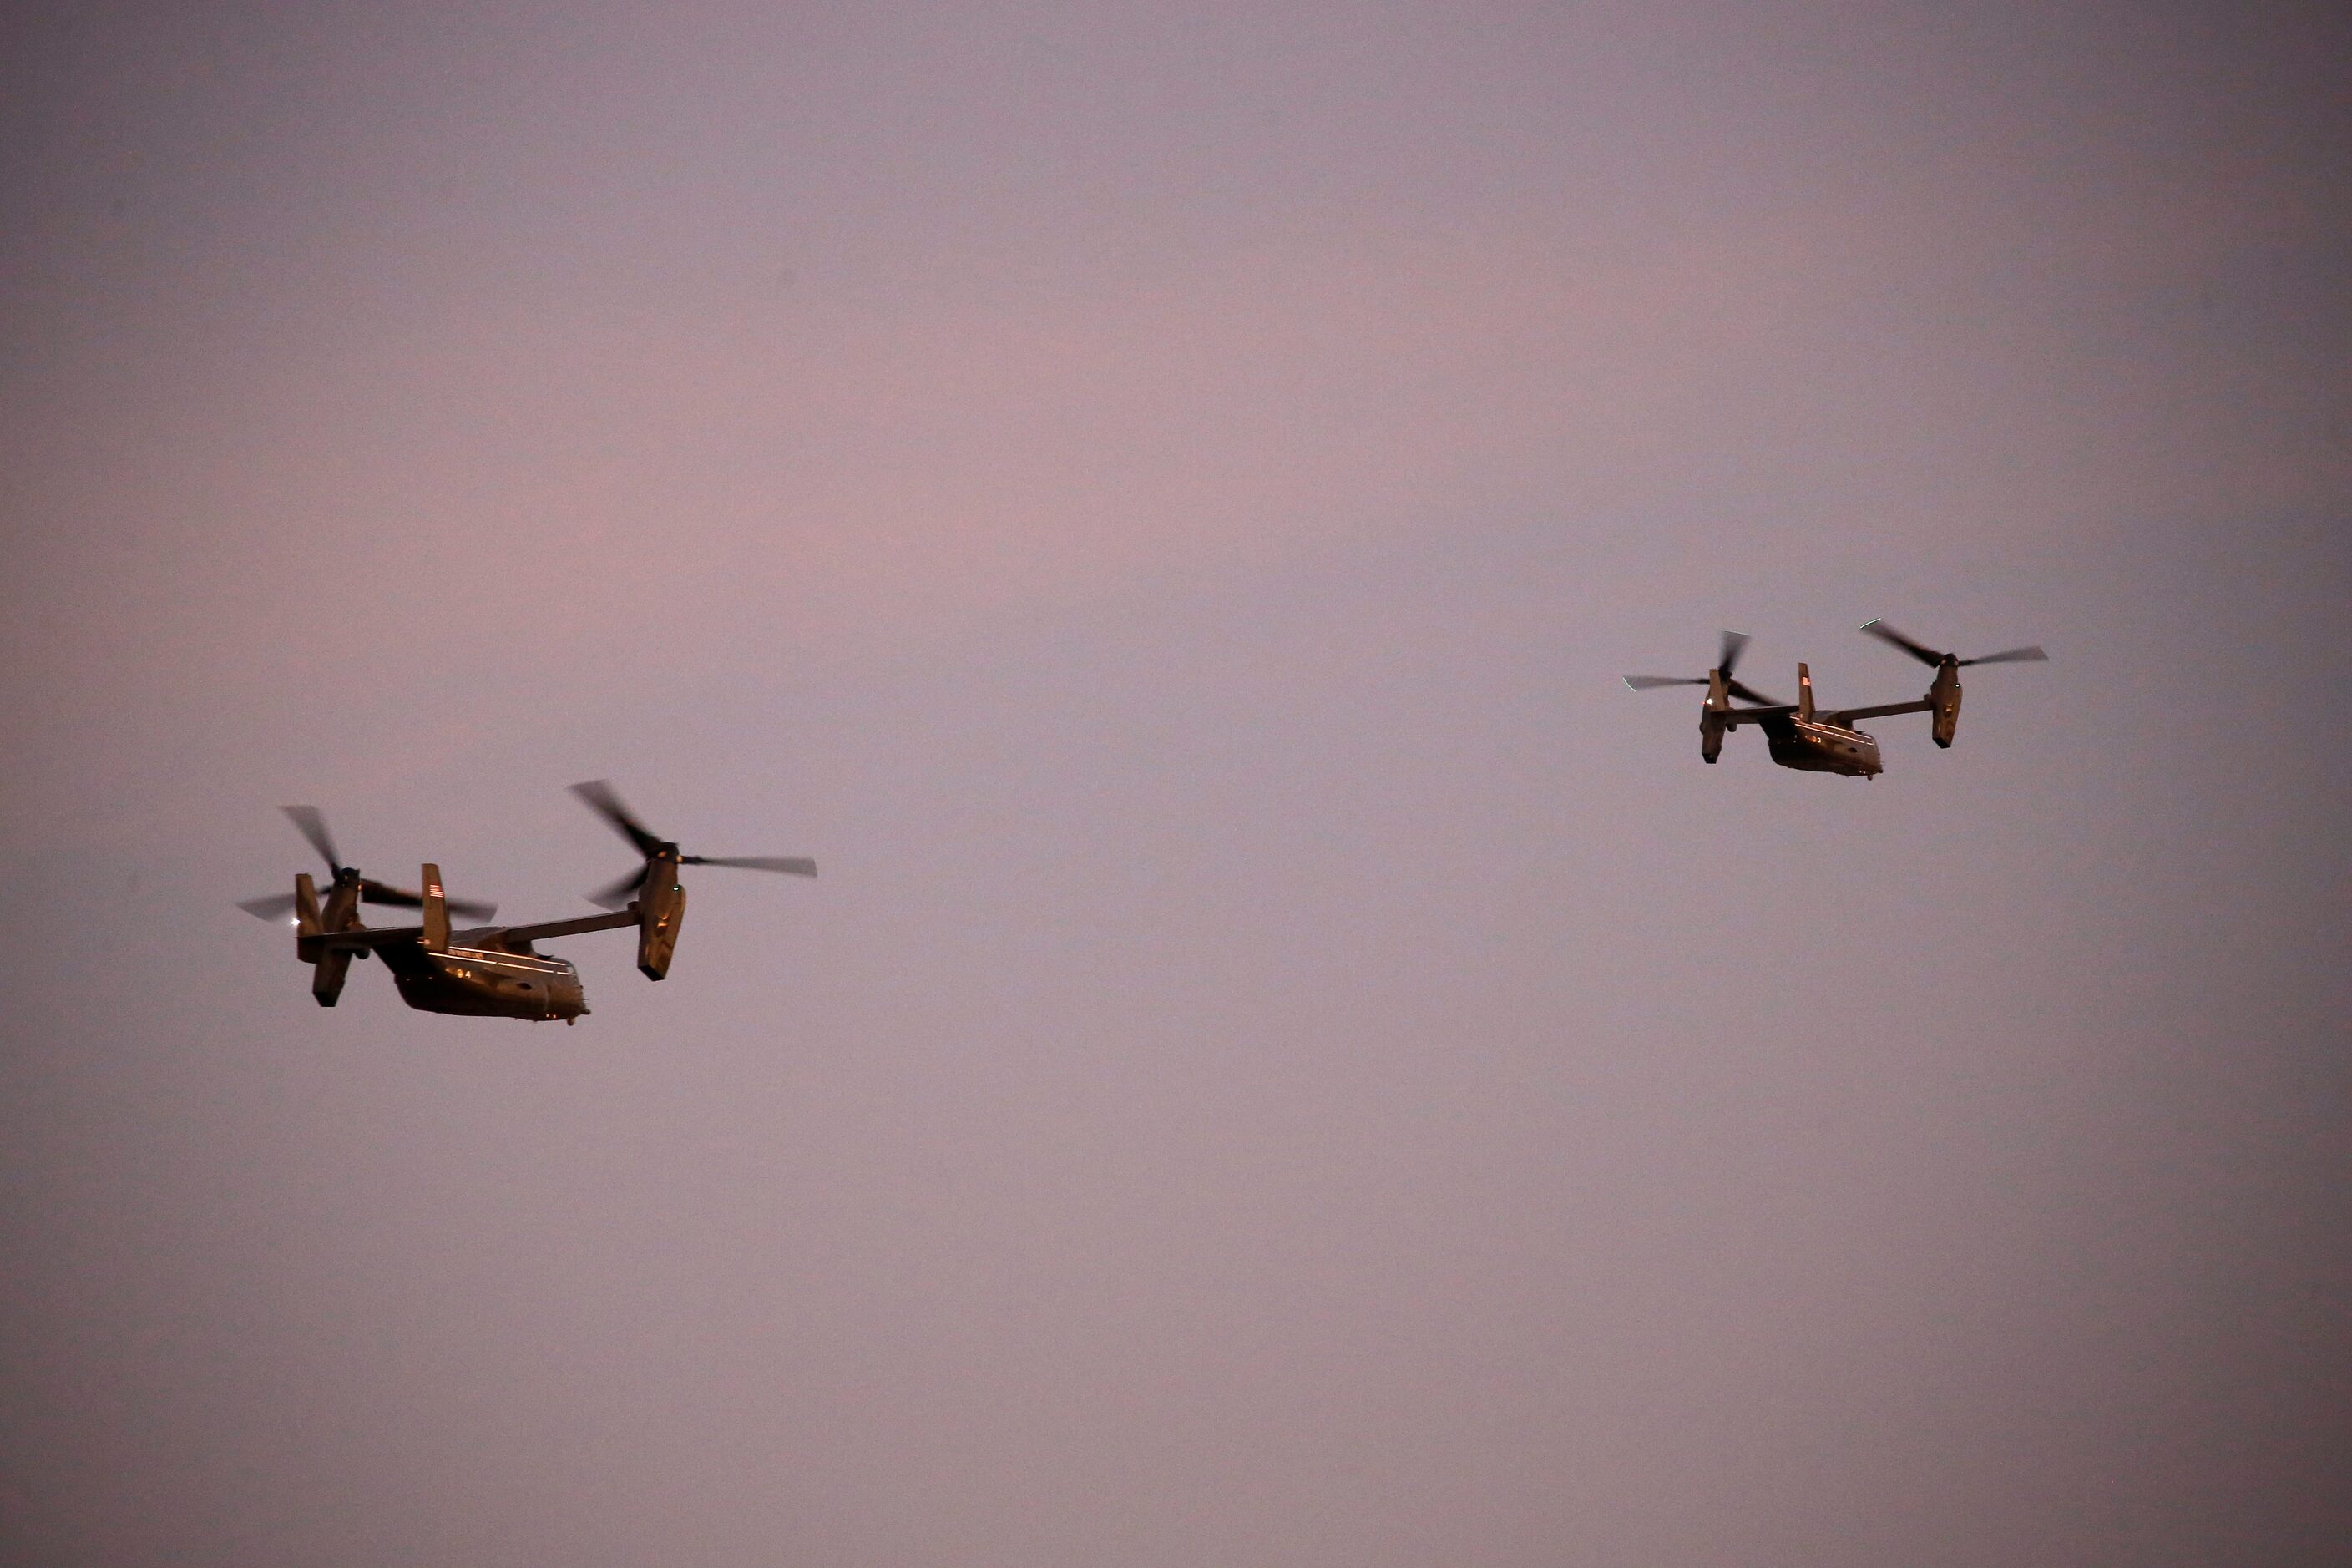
436,911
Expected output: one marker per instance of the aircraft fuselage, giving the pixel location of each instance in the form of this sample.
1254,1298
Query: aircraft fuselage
1811,746
485,983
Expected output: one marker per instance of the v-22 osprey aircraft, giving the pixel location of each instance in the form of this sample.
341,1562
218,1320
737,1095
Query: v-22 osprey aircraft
486,971
1824,740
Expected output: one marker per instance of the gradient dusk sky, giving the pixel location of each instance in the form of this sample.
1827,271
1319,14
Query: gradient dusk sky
1288,1062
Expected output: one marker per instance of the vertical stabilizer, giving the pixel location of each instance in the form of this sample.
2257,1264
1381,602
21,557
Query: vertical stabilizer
1804,694
436,912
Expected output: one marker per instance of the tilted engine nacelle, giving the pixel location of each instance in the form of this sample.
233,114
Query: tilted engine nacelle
307,928
661,911
1710,716
328,969
327,976
654,895
1944,716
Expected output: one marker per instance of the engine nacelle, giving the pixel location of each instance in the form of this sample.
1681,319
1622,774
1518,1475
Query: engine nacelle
1710,715
1944,716
307,928
327,976
311,929
661,911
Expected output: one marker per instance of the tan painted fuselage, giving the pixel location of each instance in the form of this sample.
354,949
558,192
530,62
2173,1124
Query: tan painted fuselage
484,982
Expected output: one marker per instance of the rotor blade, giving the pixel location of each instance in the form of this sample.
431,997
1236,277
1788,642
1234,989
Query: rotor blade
276,907
2012,656
798,865
1747,693
620,892
1651,682
313,825
472,909
1734,644
1894,638
602,799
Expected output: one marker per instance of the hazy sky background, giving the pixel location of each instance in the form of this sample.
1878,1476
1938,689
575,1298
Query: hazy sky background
1288,1061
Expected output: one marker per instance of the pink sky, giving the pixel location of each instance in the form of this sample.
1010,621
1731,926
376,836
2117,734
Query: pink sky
1288,1061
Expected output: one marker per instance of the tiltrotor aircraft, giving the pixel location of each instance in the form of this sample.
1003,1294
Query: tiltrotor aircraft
486,971
1824,740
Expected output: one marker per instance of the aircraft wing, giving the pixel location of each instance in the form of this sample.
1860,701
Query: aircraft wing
373,937
1847,715
370,939
573,927
1734,717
